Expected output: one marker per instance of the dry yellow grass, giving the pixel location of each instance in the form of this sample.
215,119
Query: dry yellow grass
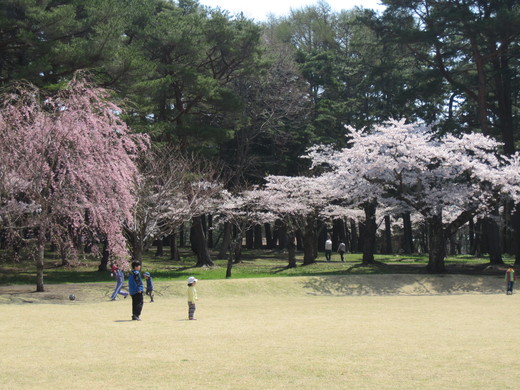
265,334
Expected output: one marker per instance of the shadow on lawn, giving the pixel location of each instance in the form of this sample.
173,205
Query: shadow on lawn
404,284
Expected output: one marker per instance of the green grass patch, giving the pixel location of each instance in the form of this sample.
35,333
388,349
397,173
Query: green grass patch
254,264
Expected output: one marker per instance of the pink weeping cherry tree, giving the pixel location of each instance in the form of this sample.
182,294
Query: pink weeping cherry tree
67,168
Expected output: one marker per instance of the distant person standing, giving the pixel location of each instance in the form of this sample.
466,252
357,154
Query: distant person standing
328,249
342,248
149,285
135,285
192,297
510,279
120,279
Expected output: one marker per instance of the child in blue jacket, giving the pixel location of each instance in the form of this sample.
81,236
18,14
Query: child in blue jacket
149,285
135,286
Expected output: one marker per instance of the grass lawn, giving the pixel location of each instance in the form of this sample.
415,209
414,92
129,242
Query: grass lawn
255,264
270,333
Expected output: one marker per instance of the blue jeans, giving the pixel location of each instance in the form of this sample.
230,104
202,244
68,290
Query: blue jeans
117,290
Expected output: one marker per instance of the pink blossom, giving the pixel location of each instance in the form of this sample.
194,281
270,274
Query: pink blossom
71,157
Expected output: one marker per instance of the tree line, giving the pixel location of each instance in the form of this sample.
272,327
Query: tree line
227,102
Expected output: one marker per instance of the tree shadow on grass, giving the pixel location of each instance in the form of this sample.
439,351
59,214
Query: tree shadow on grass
277,270
404,284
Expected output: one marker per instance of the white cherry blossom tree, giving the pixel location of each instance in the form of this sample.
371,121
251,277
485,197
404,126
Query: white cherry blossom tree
170,190
243,211
446,180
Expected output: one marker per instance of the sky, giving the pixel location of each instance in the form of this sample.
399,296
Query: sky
259,9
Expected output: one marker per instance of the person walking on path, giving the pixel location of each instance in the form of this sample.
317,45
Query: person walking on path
149,285
135,285
328,249
510,279
342,248
120,279
192,297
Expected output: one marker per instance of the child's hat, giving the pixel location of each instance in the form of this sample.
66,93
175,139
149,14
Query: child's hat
146,274
192,279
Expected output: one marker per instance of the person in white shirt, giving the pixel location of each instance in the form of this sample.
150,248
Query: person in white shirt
328,249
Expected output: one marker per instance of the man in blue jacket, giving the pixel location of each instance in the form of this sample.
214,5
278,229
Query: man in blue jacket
135,286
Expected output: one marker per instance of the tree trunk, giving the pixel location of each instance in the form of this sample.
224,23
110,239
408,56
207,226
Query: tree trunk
515,222
407,232
160,248
258,242
203,220
291,249
354,241
369,233
105,256
422,245
282,235
136,246
199,243
481,87
322,237
476,250
299,240
437,246
503,88
339,232
226,241
40,261
250,239
493,235
309,239
507,228
174,249
361,236
137,252
209,231
453,245
64,254
317,232
238,250
471,235
229,266
3,239
388,235
335,233
269,236
342,231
